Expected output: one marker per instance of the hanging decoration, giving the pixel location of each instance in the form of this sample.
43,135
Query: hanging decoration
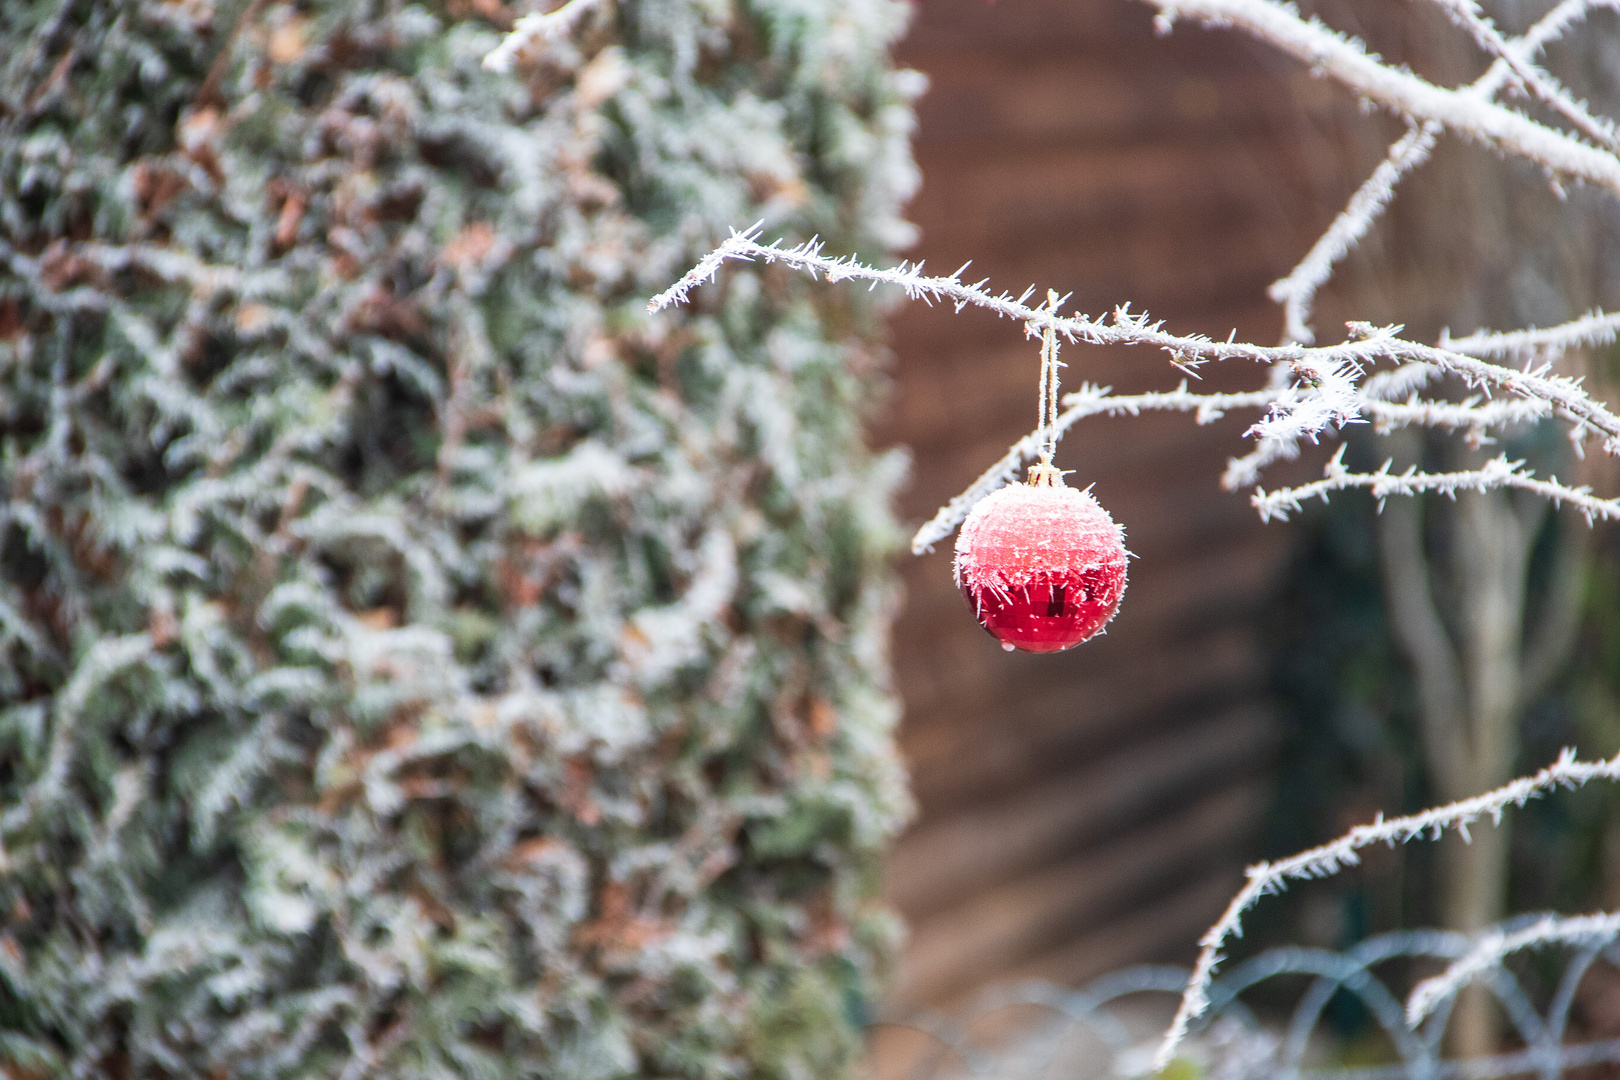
1042,564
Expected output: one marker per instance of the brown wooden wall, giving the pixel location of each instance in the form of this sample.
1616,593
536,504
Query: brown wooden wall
1089,810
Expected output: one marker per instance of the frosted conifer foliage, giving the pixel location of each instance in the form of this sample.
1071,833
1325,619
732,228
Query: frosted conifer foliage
414,659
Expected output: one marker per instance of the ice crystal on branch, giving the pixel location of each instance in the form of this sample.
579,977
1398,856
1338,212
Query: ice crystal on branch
1322,388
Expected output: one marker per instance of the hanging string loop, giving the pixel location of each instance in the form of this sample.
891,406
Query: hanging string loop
1043,472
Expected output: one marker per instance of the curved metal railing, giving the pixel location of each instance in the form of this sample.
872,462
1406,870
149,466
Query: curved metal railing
1232,1043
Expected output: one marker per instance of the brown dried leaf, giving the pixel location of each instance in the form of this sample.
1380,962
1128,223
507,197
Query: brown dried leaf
251,318
575,797
526,853
378,618
469,247
823,718
288,40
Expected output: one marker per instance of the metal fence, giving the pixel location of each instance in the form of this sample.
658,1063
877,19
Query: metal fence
1097,1030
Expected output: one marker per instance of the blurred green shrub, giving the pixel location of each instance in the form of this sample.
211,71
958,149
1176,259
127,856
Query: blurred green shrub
414,659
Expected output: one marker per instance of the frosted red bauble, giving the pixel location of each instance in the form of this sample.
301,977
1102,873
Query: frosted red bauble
1043,566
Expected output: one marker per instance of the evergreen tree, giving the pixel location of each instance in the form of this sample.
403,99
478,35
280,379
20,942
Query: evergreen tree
415,659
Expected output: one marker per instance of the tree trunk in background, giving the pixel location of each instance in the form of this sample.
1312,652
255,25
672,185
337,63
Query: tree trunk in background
1474,879
1476,671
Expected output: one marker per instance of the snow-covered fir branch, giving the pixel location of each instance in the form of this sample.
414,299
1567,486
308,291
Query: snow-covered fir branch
532,32
1265,879
1494,946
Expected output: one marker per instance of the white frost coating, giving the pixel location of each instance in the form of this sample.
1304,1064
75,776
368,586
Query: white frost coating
1466,13
533,31
1268,878
1497,473
1597,328
1297,291
1494,946
1347,61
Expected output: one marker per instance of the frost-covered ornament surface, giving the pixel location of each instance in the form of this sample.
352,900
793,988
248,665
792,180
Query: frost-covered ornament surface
1042,564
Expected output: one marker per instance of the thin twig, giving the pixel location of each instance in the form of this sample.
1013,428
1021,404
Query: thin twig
1347,61
1494,946
1497,473
1597,328
1268,878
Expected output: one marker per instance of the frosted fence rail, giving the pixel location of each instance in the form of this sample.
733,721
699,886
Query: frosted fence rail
1236,1045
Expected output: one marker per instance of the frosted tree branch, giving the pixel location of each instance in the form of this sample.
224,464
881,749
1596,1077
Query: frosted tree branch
1498,473
1329,386
1266,879
532,32
1597,328
1467,15
1297,291
1494,946
1347,61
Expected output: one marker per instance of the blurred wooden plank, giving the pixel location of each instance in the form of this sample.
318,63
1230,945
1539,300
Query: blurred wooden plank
1148,196
1162,929
1064,145
1057,726
1014,922
952,854
1009,101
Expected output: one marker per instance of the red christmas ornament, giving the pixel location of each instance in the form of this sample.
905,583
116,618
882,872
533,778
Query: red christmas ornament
1041,564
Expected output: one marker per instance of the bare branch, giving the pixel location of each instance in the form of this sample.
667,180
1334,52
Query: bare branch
1416,624
1596,328
1494,946
1466,14
1269,878
1297,291
1327,390
1324,365
1497,473
1347,61
1552,637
